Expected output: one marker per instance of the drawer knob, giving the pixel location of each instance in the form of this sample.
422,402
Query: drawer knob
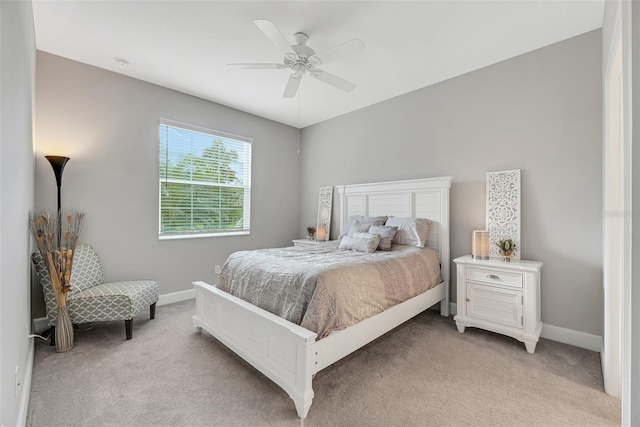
493,276
468,300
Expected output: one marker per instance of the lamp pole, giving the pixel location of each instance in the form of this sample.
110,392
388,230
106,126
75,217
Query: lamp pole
58,163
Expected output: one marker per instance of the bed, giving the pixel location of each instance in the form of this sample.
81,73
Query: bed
289,354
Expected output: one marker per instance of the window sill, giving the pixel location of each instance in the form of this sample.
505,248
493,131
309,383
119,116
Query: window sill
199,235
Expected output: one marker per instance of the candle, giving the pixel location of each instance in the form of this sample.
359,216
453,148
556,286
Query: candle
480,244
321,234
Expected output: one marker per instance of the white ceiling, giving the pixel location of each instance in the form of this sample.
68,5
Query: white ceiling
186,45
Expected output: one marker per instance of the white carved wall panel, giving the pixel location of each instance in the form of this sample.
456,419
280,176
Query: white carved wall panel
503,209
325,201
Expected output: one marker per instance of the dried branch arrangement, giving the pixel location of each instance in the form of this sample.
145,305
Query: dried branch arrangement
57,255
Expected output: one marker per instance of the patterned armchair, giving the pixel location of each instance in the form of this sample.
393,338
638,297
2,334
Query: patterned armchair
91,300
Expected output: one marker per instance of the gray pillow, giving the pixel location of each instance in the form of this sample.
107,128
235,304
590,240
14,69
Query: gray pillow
386,233
358,227
360,243
371,220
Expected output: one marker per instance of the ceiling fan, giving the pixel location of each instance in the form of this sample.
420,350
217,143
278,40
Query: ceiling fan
302,59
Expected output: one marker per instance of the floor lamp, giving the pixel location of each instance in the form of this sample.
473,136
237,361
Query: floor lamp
58,163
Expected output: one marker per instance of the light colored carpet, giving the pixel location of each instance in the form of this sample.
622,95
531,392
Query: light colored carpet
423,373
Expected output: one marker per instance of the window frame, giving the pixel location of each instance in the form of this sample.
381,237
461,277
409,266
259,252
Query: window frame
162,178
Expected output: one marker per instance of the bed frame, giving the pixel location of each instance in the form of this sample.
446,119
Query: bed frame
289,354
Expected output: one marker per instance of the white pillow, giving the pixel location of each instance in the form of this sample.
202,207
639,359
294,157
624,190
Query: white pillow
361,242
371,220
411,231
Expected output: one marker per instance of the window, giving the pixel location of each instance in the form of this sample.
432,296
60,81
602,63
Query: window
205,182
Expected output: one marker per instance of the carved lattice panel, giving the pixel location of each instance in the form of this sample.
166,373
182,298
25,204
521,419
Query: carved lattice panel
503,209
324,210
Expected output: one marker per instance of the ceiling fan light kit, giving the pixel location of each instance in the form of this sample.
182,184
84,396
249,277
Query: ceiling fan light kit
301,59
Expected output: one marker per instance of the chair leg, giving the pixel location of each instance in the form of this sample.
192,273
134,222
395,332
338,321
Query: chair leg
152,311
128,327
53,336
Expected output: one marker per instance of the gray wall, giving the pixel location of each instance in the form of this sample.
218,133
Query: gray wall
540,112
108,124
17,74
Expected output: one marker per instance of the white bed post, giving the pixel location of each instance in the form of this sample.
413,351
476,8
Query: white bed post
445,256
343,211
304,394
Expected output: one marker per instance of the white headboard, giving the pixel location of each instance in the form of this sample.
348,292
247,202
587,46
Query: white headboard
418,198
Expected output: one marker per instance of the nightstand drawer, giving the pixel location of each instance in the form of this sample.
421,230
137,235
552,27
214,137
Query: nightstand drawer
494,277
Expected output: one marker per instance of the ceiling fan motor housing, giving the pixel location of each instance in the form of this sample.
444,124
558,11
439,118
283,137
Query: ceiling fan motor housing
300,62
300,38
302,51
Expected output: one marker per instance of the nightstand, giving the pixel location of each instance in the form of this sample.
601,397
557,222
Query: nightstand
499,296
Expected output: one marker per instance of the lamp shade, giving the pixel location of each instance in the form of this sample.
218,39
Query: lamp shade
480,244
321,234
57,163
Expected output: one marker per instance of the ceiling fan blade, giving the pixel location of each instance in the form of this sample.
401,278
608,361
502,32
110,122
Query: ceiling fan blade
333,80
273,34
258,66
345,49
292,85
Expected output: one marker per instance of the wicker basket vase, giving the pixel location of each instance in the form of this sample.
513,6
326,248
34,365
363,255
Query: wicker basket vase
64,330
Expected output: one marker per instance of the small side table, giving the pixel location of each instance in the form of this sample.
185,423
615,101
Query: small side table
499,296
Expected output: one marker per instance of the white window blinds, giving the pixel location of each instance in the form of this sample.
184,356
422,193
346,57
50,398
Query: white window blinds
205,181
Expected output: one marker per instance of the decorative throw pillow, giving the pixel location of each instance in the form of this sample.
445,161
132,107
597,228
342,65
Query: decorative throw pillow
411,231
360,244
362,235
386,233
358,227
371,220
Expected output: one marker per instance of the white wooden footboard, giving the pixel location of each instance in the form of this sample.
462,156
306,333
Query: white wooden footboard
274,346
286,353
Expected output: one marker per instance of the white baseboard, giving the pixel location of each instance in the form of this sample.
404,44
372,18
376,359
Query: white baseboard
41,324
563,335
177,297
26,385
551,332
571,337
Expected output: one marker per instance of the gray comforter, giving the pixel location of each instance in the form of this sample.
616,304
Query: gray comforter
324,289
